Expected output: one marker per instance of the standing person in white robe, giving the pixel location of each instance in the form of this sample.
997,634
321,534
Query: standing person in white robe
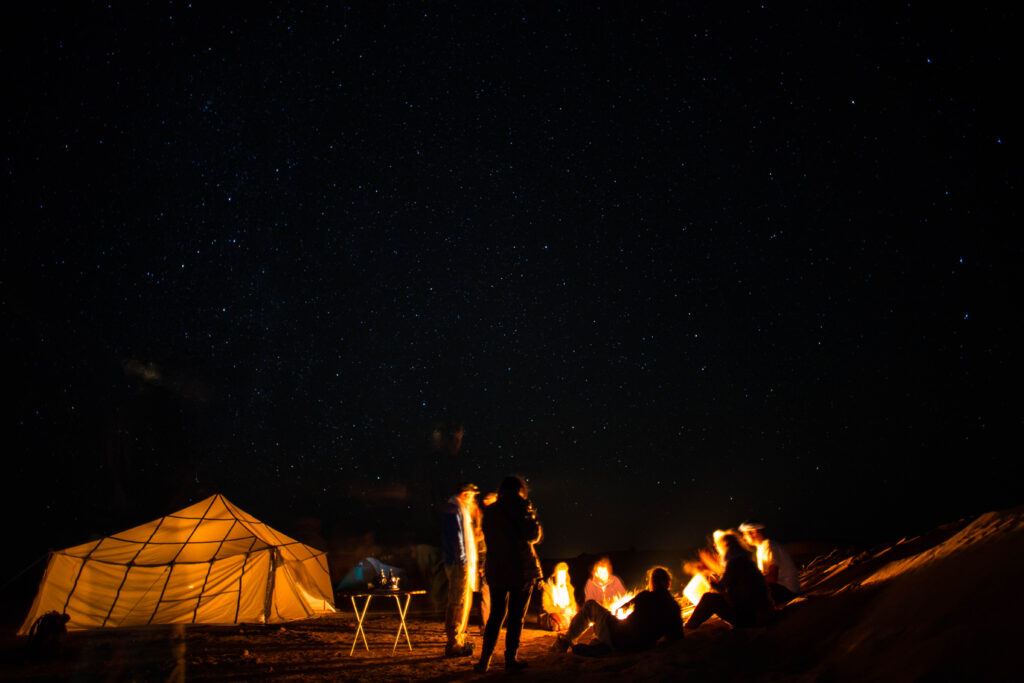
458,543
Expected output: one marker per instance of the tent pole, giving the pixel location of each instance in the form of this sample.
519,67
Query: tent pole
241,576
269,600
245,563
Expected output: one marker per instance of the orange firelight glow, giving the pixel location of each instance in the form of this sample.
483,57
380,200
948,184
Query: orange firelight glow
697,587
561,593
617,608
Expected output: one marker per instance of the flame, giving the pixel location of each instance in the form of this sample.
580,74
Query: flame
617,608
697,587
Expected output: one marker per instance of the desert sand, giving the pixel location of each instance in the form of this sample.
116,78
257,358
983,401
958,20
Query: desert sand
941,606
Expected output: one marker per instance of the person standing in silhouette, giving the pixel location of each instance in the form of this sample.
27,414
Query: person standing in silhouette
510,529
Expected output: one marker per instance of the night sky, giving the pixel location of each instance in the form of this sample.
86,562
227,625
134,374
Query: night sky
676,265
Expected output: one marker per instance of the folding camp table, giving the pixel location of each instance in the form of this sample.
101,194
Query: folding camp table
403,608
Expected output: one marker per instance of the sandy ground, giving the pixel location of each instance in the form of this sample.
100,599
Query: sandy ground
943,606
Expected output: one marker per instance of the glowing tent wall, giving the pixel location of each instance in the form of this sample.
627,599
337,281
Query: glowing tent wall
210,563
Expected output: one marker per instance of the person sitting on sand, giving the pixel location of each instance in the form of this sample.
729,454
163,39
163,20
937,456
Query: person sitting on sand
603,587
709,567
655,615
558,600
740,596
774,562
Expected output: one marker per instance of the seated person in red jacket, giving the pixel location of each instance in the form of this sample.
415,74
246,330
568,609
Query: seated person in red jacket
655,615
603,587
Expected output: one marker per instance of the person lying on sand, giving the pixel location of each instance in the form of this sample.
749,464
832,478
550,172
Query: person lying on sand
655,615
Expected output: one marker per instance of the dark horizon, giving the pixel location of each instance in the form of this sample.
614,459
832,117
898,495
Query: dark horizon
676,268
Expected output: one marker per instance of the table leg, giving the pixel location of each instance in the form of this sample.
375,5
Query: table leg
401,626
359,623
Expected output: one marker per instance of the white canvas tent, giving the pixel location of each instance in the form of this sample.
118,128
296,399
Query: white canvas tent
210,563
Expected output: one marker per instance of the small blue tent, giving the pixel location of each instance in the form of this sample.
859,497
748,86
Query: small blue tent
366,574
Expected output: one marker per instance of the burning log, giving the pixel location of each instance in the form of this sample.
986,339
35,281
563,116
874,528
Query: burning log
620,607
697,587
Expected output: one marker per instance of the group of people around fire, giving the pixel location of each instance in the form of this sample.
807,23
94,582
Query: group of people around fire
488,548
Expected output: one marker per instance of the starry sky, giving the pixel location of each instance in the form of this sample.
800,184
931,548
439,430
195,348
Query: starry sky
677,265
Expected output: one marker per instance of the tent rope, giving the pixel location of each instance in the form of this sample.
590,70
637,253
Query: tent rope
144,594
19,574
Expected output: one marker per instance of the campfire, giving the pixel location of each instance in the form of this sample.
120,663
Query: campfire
617,608
697,587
